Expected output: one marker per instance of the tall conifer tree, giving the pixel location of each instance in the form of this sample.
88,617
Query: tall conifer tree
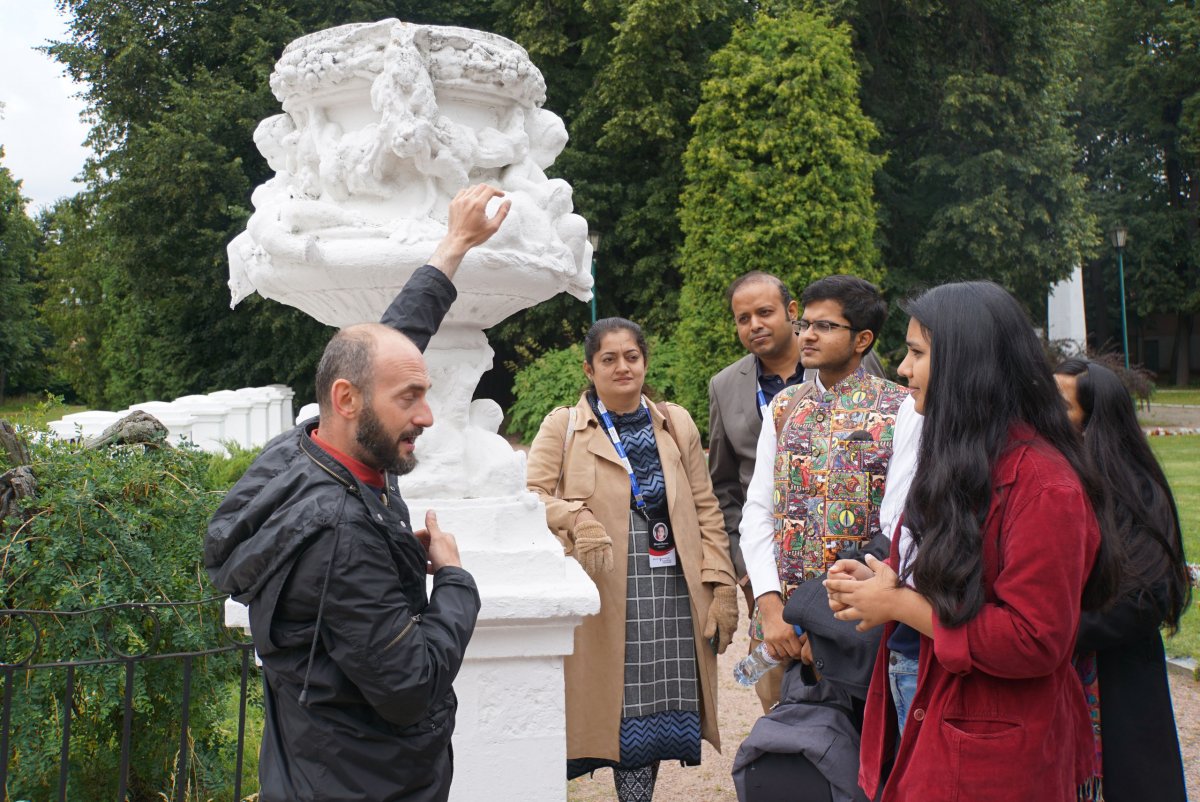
779,179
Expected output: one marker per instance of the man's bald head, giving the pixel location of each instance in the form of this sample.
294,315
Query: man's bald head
350,355
759,277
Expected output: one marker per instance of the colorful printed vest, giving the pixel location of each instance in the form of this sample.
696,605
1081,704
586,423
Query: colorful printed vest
831,462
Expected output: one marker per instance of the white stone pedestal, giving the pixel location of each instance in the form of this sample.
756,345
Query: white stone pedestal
510,734
510,737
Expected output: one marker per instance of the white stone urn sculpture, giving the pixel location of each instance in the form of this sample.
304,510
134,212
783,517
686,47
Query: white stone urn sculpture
383,123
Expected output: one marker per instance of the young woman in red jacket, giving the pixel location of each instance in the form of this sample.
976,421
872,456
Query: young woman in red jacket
998,549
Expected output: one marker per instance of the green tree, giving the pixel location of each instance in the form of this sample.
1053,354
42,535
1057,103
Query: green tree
779,179
176,90
20,331
77,281
972,101
626,78
1140,139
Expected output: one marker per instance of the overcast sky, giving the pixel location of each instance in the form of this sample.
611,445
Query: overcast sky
41,131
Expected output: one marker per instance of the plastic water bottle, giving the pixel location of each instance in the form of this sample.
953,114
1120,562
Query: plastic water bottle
751,668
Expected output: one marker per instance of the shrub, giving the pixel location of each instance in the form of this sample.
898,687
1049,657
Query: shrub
551,380
224,471
123,524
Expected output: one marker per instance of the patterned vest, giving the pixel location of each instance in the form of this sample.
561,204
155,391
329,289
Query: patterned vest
830,467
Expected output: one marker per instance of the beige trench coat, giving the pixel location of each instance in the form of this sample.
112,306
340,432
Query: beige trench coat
595,478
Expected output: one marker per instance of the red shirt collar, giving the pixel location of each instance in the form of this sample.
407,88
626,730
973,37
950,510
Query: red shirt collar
363,472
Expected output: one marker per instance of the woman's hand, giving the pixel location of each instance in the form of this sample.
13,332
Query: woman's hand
592,545
870,601
722,617
851,570
880,599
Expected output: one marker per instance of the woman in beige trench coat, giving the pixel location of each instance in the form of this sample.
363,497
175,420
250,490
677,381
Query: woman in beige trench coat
641,684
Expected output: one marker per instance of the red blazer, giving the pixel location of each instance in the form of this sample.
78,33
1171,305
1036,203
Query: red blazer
999,712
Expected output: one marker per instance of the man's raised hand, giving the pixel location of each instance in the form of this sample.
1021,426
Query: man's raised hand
469,225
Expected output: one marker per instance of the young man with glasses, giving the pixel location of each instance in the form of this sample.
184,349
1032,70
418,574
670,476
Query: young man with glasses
821,462
764,313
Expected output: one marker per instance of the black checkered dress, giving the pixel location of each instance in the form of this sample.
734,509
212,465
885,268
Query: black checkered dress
660,653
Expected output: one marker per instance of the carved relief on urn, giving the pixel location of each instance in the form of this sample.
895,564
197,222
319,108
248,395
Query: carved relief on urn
383,123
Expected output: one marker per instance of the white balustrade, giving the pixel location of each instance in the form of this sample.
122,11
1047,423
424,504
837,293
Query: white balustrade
91,422
208,432
179,422
286,394
249,417
260,402
64,429
275,424
237,415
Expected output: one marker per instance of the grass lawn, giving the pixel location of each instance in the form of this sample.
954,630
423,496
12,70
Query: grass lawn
1180,458
34,411
1176,395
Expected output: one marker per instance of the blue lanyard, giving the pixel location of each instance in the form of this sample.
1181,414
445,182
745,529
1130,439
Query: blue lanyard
762,403
616,441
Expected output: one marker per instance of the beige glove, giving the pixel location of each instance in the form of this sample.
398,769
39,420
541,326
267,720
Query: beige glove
593,547
722,617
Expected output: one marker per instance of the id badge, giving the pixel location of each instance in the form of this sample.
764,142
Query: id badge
662,543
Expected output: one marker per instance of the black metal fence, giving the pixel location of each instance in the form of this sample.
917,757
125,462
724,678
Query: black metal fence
122,638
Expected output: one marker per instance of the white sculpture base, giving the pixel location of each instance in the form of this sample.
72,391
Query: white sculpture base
510,735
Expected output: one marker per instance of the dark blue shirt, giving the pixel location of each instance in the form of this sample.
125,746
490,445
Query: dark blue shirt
905,640
772,384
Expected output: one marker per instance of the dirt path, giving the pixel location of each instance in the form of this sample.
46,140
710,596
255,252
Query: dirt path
739,708
1170,416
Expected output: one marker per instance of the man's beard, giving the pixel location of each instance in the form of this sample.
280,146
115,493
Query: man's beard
384,453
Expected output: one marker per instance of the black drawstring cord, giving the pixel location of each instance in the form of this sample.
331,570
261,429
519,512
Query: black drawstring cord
312,650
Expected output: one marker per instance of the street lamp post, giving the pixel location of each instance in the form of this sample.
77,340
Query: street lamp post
1119,235
594,239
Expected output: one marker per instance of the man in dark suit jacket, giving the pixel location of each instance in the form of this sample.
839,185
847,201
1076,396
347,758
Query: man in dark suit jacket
763,311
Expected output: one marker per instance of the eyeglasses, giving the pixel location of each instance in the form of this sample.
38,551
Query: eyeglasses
822,326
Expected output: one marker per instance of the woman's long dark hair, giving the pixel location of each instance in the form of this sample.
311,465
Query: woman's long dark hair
1144,509
987,371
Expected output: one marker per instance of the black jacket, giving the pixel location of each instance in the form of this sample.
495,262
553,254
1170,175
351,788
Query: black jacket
335,583
820,712
817,719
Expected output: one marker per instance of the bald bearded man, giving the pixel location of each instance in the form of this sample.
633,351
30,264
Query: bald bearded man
357,660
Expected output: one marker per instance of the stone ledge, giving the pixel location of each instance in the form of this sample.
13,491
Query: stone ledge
1184,666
